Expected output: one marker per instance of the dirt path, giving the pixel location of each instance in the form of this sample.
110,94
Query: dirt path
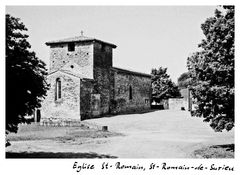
159,134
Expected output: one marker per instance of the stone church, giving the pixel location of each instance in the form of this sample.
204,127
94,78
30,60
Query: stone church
84,84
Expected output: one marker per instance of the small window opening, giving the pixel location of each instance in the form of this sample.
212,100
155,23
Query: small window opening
72,66
58,93
146,101
71,47
103,47
130,92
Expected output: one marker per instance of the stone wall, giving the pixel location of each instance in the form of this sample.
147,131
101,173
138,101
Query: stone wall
102,89
178,103
102,64
85,96
67,107
141,92
187,95
102,55
82,56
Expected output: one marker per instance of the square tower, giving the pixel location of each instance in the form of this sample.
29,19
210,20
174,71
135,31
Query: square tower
84,51
79,78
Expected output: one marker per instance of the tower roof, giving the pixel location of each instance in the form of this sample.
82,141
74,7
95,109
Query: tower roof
79,39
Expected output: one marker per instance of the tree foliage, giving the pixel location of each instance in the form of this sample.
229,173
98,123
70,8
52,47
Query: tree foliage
25,75
184,80
212,69
162,85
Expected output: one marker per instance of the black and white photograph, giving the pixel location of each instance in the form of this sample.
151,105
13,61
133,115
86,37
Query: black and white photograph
120,82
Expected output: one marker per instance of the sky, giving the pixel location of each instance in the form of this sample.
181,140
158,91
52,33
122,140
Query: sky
146,36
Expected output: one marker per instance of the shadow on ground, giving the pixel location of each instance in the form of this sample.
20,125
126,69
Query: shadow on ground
228,147
56,155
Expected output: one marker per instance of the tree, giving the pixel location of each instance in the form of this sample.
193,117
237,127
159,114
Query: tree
25,76
162,85
212,70
184,80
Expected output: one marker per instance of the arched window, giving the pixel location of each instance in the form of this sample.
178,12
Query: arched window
58,92
130,92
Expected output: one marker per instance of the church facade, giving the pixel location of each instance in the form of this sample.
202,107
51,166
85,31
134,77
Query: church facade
84,84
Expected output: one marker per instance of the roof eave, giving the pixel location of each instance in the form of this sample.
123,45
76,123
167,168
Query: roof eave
110,44
92,40
64,42
131,72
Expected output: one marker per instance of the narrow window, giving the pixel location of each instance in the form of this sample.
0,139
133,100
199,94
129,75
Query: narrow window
38,115
146,101
58,89
130,92
103,47
71,47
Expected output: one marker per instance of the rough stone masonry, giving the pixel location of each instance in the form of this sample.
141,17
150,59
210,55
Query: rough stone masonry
84,84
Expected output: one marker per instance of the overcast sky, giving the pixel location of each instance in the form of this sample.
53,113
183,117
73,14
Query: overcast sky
146,37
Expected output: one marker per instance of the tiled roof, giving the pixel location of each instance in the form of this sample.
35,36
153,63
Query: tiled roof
78,39
131,72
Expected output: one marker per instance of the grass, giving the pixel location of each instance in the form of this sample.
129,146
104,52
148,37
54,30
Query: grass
37,132
63,135
215,151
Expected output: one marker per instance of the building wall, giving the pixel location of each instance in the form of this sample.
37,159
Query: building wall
102,64
177,104
67,107
141,92
83,56
85,96
184,102
102,91
102,55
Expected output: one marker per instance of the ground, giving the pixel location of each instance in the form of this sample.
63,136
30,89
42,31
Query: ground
156,134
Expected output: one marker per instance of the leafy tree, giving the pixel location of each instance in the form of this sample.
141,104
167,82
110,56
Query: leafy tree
25,76
184,80
162,85
212,69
